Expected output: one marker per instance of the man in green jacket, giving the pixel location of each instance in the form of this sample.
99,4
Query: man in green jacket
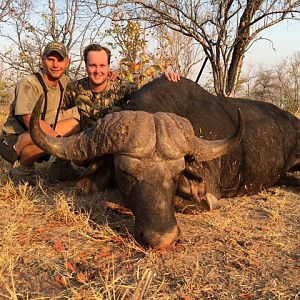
97,94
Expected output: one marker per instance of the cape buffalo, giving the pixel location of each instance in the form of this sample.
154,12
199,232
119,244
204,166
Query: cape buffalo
157,156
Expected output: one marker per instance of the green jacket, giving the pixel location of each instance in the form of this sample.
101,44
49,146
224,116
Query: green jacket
93,106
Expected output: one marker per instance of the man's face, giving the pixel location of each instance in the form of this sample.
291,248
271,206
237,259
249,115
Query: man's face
54,65
97,67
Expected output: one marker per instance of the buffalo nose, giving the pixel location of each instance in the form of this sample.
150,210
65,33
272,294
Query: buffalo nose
157,240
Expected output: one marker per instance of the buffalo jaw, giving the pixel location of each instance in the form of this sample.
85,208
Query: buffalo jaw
149,187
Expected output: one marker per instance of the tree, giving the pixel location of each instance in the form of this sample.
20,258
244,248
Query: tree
180,52
140,64
278,84
136,63
5,9
30,26
225,29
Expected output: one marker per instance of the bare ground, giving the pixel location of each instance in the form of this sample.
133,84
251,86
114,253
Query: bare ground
57,245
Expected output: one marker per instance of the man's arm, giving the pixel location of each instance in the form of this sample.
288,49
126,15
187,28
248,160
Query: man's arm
45,126
170,75
63,128
70,96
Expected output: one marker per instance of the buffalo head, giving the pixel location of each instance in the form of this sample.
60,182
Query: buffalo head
149,155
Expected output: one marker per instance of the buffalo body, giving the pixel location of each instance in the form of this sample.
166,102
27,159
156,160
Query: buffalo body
174,147
270,146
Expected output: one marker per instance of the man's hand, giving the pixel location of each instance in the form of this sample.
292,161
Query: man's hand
172,76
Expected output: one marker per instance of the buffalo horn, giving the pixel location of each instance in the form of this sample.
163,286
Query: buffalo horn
112,134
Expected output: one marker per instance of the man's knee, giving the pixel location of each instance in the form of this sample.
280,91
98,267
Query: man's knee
67,127
24,140
32,153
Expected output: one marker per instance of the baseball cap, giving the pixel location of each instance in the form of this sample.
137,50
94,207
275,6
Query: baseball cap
56,47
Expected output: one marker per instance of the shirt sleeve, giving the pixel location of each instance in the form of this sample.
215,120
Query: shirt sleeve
69,100
26,96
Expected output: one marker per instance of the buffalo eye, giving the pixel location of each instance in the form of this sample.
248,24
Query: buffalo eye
189,158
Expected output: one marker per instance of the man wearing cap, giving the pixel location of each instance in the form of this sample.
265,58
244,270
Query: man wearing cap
16,145
99,94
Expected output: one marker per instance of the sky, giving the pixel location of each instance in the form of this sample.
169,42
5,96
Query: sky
279,42
285,38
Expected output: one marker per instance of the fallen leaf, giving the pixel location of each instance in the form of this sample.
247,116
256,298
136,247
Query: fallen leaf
59,246
186,297
81,277
46,228
69,266
84,255
61,280
118,239
105,251
247,296
118,208
80,295
264,228
255,263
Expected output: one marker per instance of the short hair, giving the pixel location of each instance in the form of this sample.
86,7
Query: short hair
96,47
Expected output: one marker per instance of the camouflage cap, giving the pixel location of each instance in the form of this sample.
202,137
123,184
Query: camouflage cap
56,47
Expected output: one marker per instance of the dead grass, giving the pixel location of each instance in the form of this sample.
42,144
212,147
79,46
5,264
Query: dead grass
56,245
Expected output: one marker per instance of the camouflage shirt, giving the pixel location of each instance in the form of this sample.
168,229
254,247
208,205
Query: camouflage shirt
92,106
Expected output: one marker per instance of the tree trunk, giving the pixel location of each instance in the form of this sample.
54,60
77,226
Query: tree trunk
242,41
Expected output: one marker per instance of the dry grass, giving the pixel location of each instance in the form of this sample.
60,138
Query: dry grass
56,245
